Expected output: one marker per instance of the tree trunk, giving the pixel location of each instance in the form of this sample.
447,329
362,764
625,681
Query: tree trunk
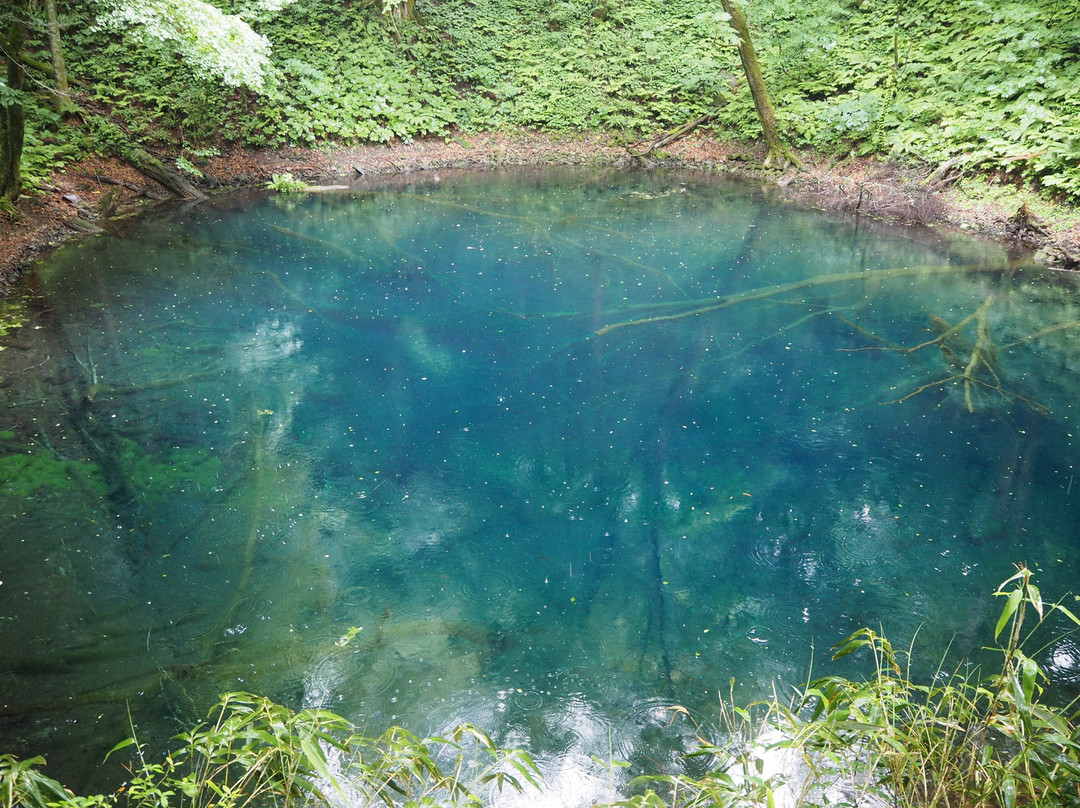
12,117
399,9
56,52
778,153
158,171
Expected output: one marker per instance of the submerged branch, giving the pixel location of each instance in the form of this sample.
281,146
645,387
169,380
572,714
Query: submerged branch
323,244
1041,333
969,360
696,307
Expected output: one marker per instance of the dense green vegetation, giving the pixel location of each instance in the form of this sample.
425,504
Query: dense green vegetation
965,739
958,84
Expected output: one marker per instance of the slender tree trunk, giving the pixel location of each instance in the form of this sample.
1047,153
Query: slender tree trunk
12,117
60,75
778,153
399,9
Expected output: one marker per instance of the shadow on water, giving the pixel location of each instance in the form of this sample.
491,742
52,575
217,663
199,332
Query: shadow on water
551,452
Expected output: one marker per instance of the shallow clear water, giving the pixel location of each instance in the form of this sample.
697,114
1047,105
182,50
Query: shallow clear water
368,450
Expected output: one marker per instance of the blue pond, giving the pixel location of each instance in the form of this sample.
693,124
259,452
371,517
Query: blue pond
547,451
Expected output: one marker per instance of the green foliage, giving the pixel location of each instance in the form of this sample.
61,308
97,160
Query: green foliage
992,86
960,741
286,184
253,751
993,89
571,65
21,784
212,44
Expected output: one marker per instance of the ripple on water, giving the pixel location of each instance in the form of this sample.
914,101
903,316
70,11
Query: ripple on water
525,471
759,635
853,544
810,567
865,534
427,513
355,674
654,711
603,556
521,699
768,550
494,585
425,593
367,673
252,608
356,596
1062,663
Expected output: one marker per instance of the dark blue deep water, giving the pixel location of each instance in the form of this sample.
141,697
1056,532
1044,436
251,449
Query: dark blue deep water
382,451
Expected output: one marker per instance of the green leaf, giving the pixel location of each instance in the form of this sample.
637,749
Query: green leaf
1029,672
122,745
1067,613
315,758
1035,597
1010,609
1008,792
853,643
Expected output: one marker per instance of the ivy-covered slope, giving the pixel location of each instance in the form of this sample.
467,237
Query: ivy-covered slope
968,84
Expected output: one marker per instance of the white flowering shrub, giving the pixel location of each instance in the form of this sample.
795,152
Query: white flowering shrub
213,43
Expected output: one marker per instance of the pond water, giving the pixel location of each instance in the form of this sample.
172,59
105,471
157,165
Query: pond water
546,451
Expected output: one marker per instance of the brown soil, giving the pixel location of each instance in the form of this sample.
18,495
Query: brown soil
85,196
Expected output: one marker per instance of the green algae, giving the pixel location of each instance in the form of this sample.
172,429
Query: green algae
32,473
157,479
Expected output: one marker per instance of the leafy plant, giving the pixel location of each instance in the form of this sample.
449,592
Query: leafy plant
255,752
286,184
960,741
21,784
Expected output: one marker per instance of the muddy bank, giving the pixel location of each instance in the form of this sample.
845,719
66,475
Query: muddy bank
89,196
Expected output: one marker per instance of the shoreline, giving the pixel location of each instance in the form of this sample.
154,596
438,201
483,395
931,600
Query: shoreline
89,195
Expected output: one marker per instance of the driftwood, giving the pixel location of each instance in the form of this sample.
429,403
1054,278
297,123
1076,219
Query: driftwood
81,225
949,171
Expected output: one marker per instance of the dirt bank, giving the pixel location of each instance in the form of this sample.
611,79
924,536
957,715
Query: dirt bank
85,196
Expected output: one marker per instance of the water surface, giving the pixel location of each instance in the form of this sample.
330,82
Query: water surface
548,451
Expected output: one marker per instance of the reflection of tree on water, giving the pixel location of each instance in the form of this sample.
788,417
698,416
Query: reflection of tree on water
184,510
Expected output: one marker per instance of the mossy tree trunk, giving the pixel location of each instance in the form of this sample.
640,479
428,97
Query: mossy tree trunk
779,155
56,53
400,9
12,116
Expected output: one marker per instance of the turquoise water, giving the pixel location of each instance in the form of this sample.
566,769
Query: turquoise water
383,451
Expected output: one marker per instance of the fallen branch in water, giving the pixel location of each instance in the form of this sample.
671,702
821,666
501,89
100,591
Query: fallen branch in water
696,307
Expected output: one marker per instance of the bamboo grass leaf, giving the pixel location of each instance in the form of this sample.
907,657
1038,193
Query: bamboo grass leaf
1030,671
1010,609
